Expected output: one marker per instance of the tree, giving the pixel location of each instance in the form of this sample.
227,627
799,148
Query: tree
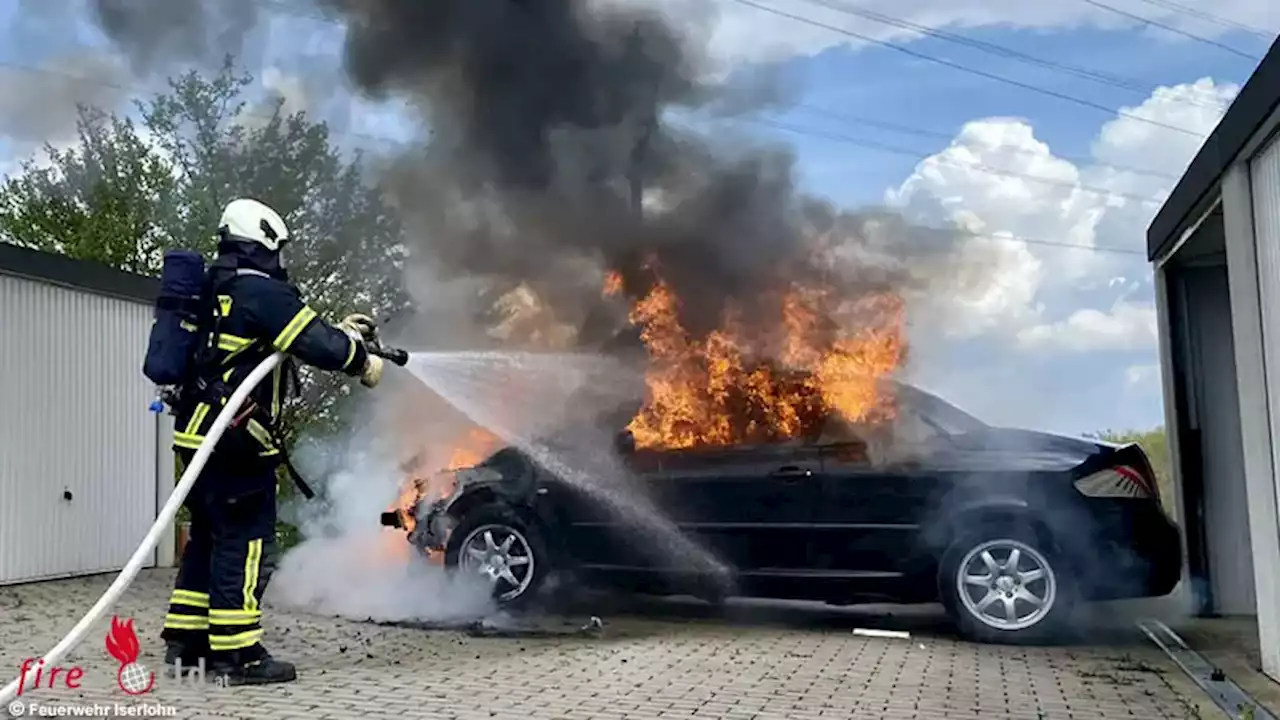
101,200
128,190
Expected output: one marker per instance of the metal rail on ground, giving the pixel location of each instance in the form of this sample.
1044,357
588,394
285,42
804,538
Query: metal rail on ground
1212,680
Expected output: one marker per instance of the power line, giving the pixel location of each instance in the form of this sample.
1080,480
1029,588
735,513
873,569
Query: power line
1035,241
1172,29
1106,78
1102,77
1078,160
1000,50
817,133
990,170
1210,17
965,68
137,89
782,126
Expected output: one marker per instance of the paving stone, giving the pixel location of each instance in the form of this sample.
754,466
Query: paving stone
642,669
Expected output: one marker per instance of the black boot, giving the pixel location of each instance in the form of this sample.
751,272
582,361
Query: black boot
187,655
257,668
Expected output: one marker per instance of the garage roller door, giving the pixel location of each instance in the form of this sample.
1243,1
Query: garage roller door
78,448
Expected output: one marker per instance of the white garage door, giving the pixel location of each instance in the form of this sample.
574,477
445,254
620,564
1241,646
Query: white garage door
1265,172
77,444
1265,187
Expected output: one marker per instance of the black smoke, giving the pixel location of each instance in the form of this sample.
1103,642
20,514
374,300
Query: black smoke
556,146
157,35
550,125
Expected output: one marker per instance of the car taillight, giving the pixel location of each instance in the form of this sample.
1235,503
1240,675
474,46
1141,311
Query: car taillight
1121,481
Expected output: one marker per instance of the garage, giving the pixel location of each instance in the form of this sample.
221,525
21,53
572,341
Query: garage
84,465
1216,249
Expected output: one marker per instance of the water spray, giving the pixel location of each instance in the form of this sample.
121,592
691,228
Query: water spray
170,509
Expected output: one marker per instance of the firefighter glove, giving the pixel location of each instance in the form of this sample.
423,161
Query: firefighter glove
372,372
359,326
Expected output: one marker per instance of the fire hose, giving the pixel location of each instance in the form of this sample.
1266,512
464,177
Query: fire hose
170,509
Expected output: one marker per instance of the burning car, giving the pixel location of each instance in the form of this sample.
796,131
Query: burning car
1008,528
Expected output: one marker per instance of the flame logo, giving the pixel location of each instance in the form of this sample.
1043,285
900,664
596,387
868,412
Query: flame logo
122,643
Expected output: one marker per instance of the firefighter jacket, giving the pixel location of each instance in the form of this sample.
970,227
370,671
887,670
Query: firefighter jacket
261,313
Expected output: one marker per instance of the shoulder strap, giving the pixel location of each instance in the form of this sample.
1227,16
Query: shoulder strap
207,367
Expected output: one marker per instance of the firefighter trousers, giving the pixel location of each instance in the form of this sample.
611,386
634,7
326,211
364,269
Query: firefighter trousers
228,560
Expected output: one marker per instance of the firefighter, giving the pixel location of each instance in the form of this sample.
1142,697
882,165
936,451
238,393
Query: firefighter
215,611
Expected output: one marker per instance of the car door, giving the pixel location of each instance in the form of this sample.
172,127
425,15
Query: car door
609,520
752,506
871,509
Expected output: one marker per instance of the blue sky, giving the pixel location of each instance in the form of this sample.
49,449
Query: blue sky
1056,342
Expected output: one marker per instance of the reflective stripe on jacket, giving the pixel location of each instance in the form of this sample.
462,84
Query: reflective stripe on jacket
260,315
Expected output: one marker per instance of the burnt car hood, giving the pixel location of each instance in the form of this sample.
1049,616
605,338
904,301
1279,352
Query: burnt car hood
1015,449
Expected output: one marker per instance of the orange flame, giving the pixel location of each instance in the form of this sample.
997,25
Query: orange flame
423,482
740,384
612,283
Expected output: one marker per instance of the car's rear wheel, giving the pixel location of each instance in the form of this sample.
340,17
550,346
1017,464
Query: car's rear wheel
495,543
1006,586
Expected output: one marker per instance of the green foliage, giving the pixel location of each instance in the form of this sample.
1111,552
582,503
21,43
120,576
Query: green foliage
98,201
130,190
1155,443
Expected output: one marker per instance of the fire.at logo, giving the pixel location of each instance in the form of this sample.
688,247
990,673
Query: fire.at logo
122,642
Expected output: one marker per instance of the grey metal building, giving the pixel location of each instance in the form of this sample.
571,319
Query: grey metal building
84,467
1216,249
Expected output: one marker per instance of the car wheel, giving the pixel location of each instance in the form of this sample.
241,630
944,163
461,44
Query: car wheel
497,544
1005,587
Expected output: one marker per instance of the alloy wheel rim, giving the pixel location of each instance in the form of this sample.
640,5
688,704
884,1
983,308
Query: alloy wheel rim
1006,584
501,555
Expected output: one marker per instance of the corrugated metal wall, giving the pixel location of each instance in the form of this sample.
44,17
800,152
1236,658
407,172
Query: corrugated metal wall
78,449
1264,507
1265,181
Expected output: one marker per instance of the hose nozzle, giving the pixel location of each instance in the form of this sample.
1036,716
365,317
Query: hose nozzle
373,345
393,355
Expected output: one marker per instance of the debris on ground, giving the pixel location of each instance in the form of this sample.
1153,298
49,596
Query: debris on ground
897,634
506,626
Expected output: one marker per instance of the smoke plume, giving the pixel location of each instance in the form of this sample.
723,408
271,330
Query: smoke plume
42,105
553,158
348,565
158,34
557,148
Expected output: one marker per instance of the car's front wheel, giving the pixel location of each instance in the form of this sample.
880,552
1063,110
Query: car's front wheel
1005,586
495,543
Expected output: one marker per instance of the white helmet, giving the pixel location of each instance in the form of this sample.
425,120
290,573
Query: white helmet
250,221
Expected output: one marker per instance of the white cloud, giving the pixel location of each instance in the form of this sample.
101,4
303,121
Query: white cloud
1126,326
1137,375
739,32
1038,196
993,283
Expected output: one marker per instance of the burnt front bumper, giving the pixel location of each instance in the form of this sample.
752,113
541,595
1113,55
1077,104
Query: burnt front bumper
430,527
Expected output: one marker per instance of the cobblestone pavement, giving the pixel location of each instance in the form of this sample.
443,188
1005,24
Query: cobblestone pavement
650,665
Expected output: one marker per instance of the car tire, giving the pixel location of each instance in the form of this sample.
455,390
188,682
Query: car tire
978,586
468,549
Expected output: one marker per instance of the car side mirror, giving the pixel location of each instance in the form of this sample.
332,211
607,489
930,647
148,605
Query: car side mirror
624,442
